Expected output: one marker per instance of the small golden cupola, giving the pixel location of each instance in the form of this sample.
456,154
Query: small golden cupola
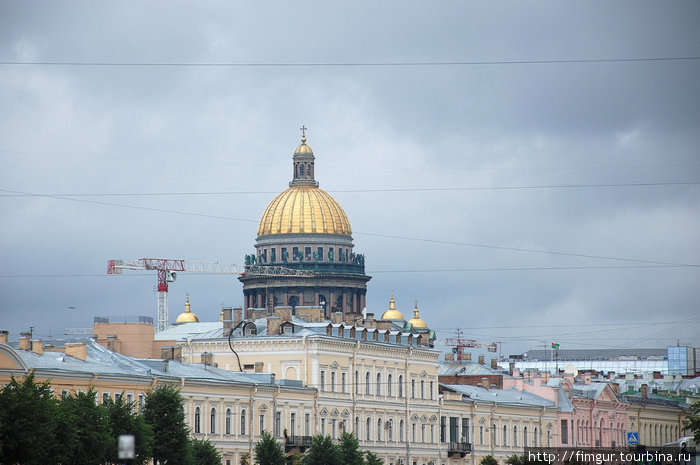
392,313
187,316
417,321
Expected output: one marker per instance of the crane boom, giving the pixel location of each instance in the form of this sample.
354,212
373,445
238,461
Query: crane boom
168,268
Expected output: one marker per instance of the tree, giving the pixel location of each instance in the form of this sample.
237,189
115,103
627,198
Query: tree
27,421
350,449
693,422
372,459
204,453
268,451
164,413
488,460
322,451
123,420
83,433
515,459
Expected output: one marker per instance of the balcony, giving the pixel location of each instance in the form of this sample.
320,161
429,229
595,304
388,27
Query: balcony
297,443
458,449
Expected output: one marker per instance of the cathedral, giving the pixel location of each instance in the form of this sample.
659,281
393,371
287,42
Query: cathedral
304,254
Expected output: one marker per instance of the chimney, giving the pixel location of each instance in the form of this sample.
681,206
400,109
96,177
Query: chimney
38,347
77,350
336,318
237,315
164,366
207,358
284,312
112,342
494,364
369,321
4,336
273,324
177,353
24,340
384,325
645,391
227,320
166,352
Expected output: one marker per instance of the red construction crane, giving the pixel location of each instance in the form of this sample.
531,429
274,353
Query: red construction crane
167,272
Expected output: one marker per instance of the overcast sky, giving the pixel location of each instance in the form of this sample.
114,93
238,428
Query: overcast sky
544,188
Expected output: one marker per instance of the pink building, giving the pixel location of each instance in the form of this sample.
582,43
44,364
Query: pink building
589,414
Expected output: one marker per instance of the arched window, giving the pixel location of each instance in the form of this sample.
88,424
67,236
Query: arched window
400,385
389,389
413,389
534,438
422,389
212,425
367,384
525,436
197,420
493,434
243,422
401,431
368,433
379,429
515,436
379,384
357,427
390,429
301,171
505,435
357,382
422,432
228,421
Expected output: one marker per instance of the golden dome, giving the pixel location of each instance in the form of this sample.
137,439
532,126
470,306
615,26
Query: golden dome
187,316
303,149
392,313
304,210
417,321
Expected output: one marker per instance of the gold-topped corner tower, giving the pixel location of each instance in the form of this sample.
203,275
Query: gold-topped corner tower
187,316
417,322
304,249
392,313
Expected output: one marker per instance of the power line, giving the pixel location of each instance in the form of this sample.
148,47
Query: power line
354,191
341,64
387,236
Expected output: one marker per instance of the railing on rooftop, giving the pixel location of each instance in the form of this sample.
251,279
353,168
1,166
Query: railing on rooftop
123,319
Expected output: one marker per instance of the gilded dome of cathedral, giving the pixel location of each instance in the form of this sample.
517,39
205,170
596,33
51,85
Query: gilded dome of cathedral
417,321
392,313
187,316
303,210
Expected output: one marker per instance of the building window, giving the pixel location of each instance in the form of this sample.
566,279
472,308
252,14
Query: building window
379,384
228,421
379,429
293,423
534,438
319,252
278,424
525,436
443,427
422,389
243,422
454,429
357,382
505,435
432,386
401,431
307,425
493,434
389,381
262,423
332,381
212,422
196,420
515,436
357,427
481,434
400,385
413,389
142,401
369,429
414,432
307,253
390,429
323,426
465,429
565,431
342,382
105,397
367,384
432,434
323,380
